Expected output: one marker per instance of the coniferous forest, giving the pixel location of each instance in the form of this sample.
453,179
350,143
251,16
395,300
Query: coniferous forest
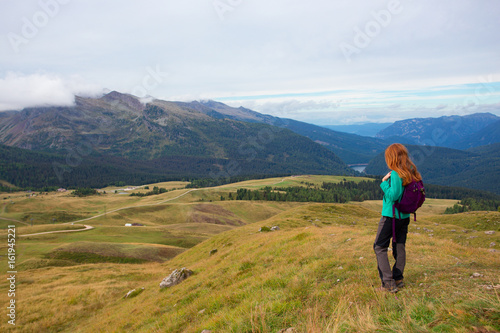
369,190
34,170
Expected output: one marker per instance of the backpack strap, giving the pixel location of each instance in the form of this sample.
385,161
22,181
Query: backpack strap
394,223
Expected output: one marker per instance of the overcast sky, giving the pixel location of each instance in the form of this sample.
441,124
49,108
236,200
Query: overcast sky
321,61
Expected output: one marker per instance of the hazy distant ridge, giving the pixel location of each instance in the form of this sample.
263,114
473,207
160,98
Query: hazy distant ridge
459,132
368,129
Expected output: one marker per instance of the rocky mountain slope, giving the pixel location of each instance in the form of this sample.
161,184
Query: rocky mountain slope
351,148
180,139
486,136
458,132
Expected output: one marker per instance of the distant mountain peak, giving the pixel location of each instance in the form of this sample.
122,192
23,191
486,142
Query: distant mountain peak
116,95
129,99
113,100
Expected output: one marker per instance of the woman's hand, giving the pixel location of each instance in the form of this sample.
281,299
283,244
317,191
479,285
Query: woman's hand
387,176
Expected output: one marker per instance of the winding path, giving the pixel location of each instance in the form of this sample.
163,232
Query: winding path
3,218
123,208
87,227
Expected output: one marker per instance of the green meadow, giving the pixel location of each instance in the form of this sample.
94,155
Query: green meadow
317,273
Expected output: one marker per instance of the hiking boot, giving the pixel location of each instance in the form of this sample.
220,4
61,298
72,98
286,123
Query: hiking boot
400,284
388,286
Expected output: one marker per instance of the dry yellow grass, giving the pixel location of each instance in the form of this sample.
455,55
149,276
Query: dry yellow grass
430,206
317,273
290,181
315,278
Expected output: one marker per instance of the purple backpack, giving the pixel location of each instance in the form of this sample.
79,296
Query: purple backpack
413,197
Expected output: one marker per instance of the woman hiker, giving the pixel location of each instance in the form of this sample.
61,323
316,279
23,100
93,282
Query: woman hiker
403,171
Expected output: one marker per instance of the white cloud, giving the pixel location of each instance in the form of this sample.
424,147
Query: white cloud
18,91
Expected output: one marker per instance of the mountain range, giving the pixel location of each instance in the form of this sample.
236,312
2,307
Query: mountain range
351,148
126,127
117,132
460,132
117,137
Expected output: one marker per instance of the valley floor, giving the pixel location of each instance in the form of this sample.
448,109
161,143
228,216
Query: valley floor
317,273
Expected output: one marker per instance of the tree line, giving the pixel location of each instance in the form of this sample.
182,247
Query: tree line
156,190
346,191
84,192
328,192
472,204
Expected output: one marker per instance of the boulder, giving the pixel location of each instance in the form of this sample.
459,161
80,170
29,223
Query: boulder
176,277
133,293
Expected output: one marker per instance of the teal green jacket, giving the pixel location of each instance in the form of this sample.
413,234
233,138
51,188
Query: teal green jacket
393,190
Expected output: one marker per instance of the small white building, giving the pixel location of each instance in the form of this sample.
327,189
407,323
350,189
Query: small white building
128,224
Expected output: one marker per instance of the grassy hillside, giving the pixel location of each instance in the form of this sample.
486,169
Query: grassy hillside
317,273
180,218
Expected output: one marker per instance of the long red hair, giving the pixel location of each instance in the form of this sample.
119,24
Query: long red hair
397,159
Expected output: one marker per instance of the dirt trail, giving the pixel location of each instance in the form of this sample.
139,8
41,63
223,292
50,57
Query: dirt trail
87,227
3,218
116,210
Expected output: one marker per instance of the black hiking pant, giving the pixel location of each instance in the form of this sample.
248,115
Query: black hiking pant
382,242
